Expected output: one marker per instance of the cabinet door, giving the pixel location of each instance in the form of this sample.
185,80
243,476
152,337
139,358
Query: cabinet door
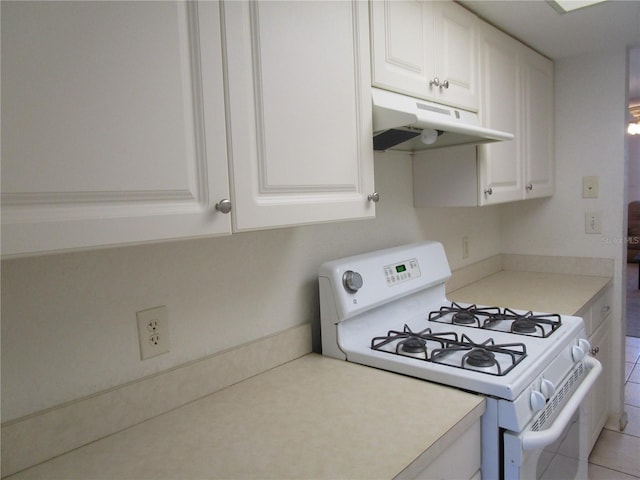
599,395
538,134
500,163
103,124
299,112
456,43
402,47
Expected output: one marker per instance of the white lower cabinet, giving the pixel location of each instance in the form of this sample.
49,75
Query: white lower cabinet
127,122
462,460
599,396
597,318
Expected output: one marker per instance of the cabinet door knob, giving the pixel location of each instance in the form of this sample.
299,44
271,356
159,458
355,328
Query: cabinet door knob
488,191
445,84
435,82
223,206
374,197
606,308
529,186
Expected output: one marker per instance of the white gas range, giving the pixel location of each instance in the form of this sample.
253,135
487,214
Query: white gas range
388,309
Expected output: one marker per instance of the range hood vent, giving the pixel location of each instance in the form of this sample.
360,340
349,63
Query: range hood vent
410,124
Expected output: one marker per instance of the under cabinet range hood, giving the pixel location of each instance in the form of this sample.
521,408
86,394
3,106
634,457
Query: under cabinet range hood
410,124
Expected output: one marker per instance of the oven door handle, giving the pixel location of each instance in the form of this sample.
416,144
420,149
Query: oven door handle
536,440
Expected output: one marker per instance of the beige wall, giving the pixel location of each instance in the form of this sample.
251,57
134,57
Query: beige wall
68,320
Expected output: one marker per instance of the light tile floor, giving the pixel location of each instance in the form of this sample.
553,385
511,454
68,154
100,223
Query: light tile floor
616,455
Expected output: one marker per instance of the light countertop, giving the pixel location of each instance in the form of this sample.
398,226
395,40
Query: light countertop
542,292
314,417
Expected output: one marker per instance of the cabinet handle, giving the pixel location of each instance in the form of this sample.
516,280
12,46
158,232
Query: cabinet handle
606,308
437,83
529,186
223,206
595,351
488,191
374,197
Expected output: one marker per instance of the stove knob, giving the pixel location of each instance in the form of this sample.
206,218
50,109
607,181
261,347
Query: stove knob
577,353
352,281
580,351
547,388
537,401
584,345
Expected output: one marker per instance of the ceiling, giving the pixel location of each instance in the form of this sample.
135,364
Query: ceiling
605,26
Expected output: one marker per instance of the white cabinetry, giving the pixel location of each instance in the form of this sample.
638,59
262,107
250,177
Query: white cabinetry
517,90
426,50
113,131
126,122
299,112
461,460
597,318
517,96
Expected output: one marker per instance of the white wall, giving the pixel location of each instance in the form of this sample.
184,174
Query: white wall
68,320
590,116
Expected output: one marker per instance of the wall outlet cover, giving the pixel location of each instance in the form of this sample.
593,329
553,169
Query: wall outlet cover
153,332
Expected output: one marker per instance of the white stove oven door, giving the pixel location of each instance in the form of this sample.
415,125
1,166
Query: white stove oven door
558,450
566,458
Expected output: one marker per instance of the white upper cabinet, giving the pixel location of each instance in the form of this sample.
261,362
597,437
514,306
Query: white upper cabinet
517,89
427,50
300,118
113,131
127,122
501,163
516,96
538,125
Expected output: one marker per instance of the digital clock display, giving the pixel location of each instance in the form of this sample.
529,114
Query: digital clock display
400,268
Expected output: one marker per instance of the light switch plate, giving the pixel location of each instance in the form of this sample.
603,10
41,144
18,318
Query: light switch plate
593,222
590,188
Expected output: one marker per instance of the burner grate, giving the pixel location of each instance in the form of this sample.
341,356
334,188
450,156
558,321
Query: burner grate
494,318
457,315
486,357
409,343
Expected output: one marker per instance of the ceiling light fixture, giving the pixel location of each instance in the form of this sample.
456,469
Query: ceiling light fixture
566,6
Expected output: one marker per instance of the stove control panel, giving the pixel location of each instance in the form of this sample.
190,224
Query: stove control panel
397,273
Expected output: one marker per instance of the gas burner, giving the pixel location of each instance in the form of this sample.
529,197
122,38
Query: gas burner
412,344
458,315
523,323
463,318
479,357
486,357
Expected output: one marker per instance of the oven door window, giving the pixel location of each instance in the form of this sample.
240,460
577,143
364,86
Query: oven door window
565,458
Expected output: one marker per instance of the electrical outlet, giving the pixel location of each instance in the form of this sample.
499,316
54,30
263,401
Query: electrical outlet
465,247
153,332
593,222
